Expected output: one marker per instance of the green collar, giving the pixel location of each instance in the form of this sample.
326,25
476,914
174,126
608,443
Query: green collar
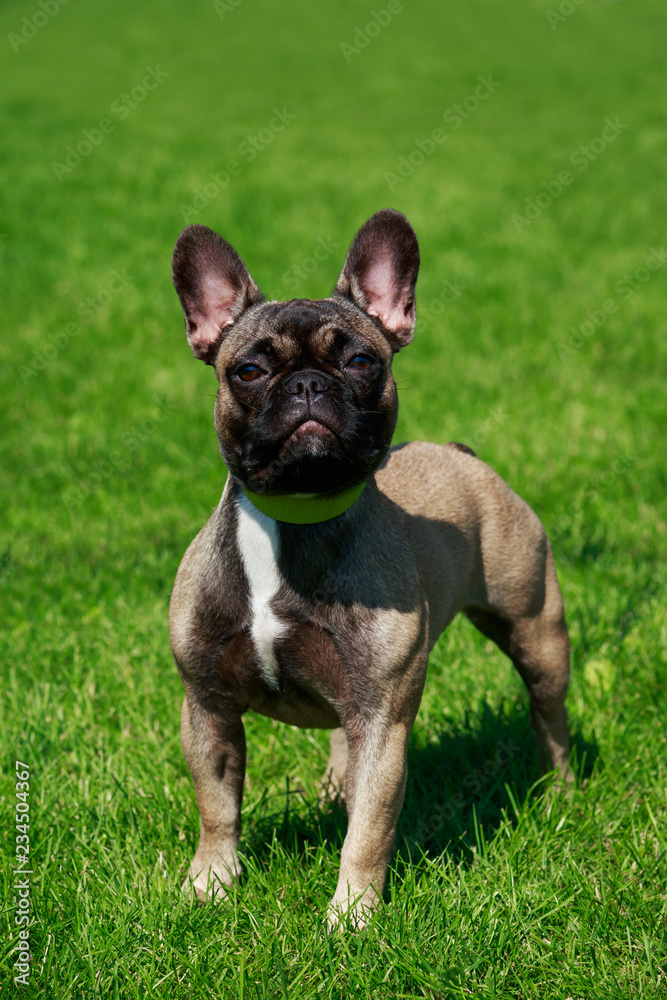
306,508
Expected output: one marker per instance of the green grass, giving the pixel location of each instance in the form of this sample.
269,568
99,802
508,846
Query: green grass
499,887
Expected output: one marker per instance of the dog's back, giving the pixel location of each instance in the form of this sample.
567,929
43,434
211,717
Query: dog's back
476,543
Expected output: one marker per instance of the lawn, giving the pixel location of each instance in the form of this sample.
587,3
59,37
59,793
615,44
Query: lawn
527,146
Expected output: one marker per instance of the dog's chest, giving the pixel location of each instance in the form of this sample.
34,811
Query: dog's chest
257,538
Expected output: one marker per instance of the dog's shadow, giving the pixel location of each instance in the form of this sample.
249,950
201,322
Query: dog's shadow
471,777
464,778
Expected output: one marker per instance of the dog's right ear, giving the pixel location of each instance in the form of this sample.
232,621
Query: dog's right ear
214,287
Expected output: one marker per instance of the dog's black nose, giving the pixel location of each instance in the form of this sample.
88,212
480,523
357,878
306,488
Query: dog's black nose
309,381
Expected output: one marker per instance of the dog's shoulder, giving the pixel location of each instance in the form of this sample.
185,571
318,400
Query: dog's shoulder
210,595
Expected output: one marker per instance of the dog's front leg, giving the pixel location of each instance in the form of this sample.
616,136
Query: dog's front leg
375,784
214,747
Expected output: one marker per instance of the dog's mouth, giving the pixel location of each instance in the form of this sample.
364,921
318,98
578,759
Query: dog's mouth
311,428
311,457
311,440
313,452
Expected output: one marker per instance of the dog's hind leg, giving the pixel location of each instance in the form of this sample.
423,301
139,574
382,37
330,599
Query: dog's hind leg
538,644
333,782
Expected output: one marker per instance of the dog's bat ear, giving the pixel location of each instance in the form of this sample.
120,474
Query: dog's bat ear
380,274
214,287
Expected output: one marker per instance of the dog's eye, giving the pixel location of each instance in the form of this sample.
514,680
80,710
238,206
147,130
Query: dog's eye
249,372
360,361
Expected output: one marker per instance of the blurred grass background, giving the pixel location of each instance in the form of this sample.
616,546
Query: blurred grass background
110,466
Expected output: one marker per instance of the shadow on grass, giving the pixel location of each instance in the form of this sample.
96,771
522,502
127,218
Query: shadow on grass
462,780
300,823
454,781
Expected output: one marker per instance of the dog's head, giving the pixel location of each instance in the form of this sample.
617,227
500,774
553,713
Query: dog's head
307,402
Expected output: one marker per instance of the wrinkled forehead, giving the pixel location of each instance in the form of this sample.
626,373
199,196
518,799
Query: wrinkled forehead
299,326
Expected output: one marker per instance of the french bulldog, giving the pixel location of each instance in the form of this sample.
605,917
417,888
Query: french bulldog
333,562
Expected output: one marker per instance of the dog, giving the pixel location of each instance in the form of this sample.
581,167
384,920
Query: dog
333,562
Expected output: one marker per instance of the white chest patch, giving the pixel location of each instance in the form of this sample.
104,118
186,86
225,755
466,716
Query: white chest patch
257,537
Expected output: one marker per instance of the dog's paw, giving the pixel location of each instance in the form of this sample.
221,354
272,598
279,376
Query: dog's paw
211,893
348,911
208,886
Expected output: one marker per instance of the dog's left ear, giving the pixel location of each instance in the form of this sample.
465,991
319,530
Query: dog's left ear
380,274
